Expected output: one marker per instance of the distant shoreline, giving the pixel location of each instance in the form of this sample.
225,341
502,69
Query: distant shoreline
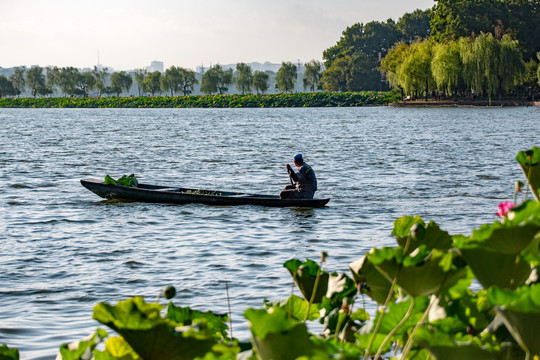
465,103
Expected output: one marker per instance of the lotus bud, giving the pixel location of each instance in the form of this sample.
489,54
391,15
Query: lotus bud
417,230
519,185
169,292
324,255
300,270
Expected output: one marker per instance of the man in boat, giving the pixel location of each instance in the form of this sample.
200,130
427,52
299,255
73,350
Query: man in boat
305,181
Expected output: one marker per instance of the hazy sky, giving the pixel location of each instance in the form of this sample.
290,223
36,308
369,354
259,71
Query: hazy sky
130,34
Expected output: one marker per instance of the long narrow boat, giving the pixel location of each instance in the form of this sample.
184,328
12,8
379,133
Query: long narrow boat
178,195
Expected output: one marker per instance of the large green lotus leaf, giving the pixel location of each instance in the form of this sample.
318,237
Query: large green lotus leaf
529,162
402,226
429,235
362,341
277,337
396,312
521,314
296,307
304,276
364,272
524,327
493,268
507,240
216,323
82,349
333,348
150,335
8,354
118,348
442,347
419,275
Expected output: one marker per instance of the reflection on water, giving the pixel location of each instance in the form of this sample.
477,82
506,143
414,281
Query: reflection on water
64,249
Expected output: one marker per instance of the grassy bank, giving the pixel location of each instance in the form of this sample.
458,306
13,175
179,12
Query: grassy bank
318,99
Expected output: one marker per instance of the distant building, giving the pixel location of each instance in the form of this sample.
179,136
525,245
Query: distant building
155,66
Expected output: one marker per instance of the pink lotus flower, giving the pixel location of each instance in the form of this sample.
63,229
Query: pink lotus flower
504,208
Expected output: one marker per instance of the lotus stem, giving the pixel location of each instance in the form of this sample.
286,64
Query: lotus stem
410,341
313,292
527,186
396,328
229,305
388,298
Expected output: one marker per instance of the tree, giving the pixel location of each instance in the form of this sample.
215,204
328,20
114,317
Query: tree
312,75
187,80
414,25
335,77
53,77
286,77
6,87
35,80
415,72
152,82
66,79
121,81
260,81
216,80
140,75
361,74
101,76
446,66
171,80
453,19
18,80
244,77
391,64
85,82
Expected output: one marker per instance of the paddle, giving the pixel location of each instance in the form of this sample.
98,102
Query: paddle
289,170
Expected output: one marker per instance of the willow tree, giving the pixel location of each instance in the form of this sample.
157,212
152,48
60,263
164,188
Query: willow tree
286,77
415,72
511,65
170,81
312,75
446,66
244,77
391,65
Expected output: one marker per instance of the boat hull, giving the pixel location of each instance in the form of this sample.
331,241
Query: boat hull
164,194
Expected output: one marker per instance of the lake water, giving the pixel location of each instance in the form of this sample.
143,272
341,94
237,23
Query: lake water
63,249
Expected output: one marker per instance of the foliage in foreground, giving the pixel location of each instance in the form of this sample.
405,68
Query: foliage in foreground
426,306
317,99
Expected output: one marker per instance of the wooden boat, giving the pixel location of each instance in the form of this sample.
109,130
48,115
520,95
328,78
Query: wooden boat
178,195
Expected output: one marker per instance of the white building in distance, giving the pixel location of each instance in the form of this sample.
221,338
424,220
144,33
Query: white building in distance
155,66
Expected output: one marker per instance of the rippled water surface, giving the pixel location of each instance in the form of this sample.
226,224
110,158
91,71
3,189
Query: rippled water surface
63,249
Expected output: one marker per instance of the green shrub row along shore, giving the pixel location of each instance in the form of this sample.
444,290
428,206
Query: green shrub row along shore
316,99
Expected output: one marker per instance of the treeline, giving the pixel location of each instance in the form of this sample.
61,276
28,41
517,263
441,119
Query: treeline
174,81
457,48
354,63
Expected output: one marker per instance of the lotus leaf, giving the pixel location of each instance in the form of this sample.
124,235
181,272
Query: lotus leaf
186,316
150,335
443,347
419,275
431,235
82,349
119,349
377,285
505,239
277,337
521,314
396,312
493,268
295,307
529,162
8,354
304,276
